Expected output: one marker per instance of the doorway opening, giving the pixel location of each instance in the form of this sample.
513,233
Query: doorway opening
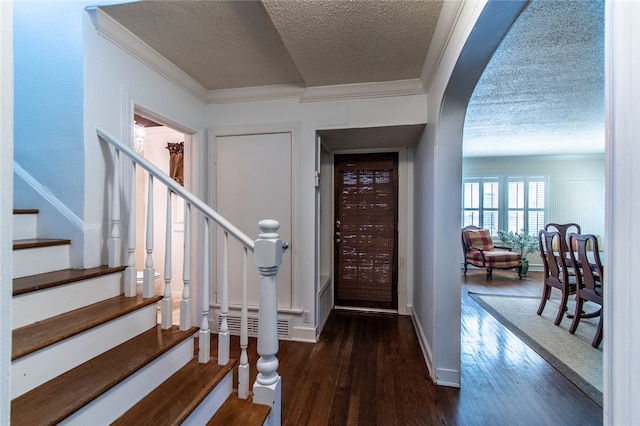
161,146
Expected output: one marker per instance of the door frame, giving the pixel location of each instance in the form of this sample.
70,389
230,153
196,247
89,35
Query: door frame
405,224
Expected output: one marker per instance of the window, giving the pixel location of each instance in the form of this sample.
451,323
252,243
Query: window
505,203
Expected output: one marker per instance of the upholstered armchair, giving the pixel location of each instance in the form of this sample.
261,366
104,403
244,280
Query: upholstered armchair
480,251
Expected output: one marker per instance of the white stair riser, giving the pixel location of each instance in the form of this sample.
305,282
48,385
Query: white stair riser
111,405
210,405
25,226
36,306
39,260
41,366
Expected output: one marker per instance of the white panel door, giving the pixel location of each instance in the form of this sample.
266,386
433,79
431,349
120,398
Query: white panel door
253,182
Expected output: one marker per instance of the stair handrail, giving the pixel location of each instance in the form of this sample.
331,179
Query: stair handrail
267,250
178,189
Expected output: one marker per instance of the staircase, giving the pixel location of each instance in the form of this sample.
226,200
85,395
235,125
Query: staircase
83,353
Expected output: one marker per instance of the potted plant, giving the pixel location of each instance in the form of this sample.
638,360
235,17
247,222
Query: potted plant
520,242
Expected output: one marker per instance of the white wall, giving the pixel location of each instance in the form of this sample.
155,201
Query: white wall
437,180
49,70
70,80
49,74
621,314
6,204
313,116
115,81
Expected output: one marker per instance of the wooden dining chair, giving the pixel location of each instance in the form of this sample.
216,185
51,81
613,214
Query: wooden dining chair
564,229
585,256
556,275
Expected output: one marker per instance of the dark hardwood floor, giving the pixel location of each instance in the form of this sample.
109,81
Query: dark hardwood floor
368,369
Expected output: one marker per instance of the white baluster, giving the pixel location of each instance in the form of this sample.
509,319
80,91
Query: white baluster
223,331
115,244
167,301
148,289
268,257
243,368
185,303
131,273
204,338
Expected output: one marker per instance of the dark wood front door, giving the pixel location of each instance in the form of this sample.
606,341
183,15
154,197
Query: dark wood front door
366,230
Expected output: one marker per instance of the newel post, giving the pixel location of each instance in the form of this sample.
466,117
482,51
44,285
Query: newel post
268,257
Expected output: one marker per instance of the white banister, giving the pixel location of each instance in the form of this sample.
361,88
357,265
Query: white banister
243,368
185,303
223,329
268,257
115,243
204,352
149,271
167,300
131,273
177,189
267,250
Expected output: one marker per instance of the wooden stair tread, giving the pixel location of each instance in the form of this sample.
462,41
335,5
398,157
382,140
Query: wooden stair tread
176,398
32,337
39,242
58,398
237,411
26,211
32,283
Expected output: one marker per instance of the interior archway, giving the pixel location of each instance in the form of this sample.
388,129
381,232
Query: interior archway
492,25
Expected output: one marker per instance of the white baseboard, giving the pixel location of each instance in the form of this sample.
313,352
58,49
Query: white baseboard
450,378
424,345
442,377
303,334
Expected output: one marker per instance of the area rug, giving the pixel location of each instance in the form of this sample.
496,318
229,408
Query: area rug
571,355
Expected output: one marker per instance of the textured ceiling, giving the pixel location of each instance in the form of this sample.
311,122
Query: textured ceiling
542,93
543,90
338,42
232,44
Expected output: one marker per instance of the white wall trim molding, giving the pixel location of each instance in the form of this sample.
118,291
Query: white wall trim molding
318,93
304,334
255,93
123,38
405,232
447,23
53,200
424,343
363,90
450,378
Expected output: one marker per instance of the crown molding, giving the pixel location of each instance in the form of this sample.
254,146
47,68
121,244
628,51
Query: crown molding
447,23
254,93
111,30
318,93
363,90
108,28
